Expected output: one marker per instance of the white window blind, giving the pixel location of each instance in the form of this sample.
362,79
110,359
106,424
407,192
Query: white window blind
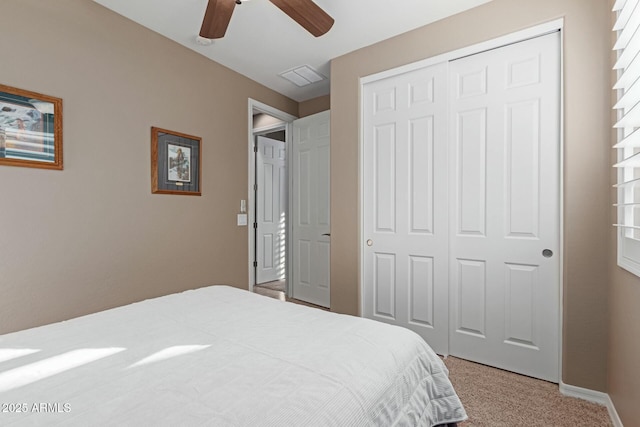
627,86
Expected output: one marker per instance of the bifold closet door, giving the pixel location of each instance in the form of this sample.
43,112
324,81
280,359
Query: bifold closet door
504,182
405,203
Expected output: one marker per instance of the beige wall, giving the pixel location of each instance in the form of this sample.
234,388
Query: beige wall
586,165
93,236
314,105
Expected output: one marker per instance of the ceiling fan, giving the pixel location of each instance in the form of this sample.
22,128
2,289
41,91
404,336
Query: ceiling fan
305,12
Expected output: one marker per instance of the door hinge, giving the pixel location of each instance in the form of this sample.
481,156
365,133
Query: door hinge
255,263
255,225
255,187
255,148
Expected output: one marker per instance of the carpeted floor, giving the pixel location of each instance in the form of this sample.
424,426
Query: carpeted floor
277,285
496,398
277,290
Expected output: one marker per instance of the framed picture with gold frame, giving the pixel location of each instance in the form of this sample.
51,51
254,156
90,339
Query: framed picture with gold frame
175,162
30,129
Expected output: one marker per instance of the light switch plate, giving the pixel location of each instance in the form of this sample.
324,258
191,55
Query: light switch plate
242,219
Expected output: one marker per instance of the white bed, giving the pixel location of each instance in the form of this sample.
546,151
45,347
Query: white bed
219,356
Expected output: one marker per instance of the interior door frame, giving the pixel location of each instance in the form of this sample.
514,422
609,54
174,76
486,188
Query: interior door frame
254,105
532,32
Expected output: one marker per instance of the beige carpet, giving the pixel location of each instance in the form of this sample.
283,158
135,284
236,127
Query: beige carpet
277,290
277,285
497,398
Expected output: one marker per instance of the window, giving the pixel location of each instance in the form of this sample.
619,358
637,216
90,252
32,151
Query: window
627,46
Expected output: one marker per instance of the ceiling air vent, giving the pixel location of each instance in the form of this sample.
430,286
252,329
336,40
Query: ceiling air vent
302,76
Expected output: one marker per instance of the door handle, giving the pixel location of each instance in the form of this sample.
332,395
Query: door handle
547,253
327,234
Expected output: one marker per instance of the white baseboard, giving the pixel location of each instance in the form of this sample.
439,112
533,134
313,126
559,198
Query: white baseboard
595,397
613,414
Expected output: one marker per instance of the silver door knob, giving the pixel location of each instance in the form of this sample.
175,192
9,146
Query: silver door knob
369,242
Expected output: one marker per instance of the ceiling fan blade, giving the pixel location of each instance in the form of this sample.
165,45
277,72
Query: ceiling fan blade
308,14
216,18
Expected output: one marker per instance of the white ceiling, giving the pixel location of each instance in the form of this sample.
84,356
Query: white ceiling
261,41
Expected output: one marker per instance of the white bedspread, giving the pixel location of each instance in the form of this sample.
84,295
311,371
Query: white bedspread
220,356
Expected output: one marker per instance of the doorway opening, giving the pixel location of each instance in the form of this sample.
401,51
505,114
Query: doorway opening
268,206
271,210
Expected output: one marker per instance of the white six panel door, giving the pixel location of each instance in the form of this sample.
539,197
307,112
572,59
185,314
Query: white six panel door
504,188
311,215
271,209
405,203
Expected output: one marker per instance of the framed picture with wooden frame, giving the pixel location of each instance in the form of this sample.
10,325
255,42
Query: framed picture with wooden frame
175,162
30,129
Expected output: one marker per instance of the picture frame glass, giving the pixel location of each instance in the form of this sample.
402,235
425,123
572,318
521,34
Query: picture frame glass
30,129
179,161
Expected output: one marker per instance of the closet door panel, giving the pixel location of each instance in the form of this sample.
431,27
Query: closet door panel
405,223
505,200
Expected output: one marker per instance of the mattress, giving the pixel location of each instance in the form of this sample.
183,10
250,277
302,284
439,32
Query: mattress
220,356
